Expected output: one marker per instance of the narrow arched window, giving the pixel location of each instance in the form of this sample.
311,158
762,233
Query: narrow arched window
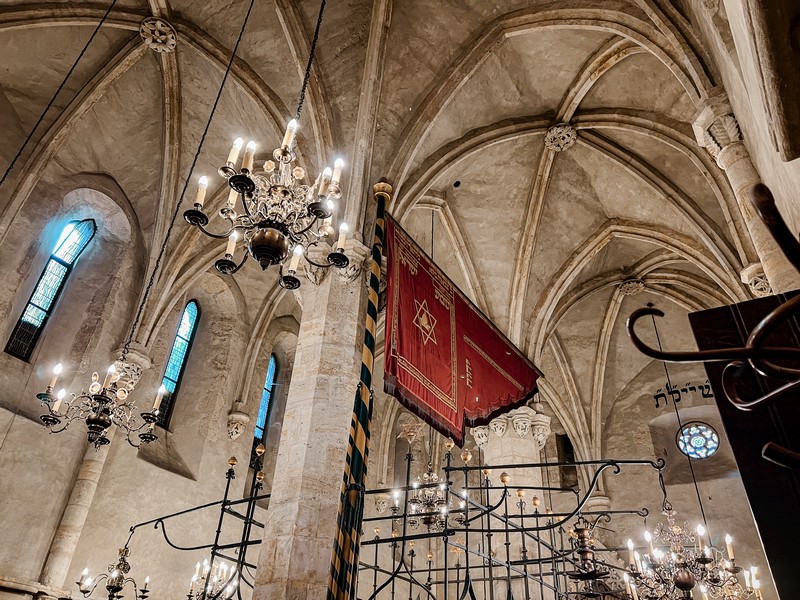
262,420
74,238
177,359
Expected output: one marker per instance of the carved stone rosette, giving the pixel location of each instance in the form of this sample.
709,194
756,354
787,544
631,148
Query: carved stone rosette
158,35
237,423
560,137
754,277
631,286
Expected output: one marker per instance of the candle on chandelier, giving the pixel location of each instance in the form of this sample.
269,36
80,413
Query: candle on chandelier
747,579
338,164
56,372
729,546
295,262
232,195
233,155
649,539
111,370
757,588
638,560
634,593
342,236
231,248
627,583
249,156
157,405
197,569
59,398
202,185
701,532
631,559
396,495
146,581
325,183
288,137
703,591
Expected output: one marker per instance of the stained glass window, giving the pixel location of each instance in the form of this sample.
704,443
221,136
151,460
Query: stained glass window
267,393
177,359
698,440
74,238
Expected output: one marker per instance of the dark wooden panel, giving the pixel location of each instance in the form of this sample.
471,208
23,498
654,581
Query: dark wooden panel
773,491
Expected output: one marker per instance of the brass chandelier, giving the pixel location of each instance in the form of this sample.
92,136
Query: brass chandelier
272,211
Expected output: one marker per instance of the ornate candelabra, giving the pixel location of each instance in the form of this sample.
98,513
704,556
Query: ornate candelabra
211,584
428,505
103,405
274,212
115,580
678,560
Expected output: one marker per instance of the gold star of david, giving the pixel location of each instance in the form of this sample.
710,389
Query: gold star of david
426,322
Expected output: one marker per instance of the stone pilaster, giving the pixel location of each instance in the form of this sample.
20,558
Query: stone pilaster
295,555
717,130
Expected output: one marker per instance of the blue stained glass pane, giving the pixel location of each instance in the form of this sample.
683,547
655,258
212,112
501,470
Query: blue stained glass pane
266,396
45,293
73,240
177,358
34,316
698,440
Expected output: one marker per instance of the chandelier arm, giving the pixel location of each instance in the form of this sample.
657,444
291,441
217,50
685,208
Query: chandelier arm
163,248
310,225
740,353
729,377
240,265
316,264
218,236
243,198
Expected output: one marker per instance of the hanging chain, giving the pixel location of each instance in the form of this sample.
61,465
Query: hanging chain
168,234
58,91
680,430
311,55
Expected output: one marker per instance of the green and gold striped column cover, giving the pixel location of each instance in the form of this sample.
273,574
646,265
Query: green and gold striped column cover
344,564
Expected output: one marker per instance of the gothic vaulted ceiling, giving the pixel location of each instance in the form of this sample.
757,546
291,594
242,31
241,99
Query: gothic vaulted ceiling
451,100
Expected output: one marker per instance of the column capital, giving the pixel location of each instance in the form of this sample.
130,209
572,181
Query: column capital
540,426
358,254
754,277
715,126
237,423
481,435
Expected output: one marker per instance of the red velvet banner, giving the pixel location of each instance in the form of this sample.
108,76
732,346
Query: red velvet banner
444,360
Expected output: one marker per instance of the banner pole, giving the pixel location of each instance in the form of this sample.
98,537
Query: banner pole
344,563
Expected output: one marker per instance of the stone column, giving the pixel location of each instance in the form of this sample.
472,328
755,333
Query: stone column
515,438
65,540
717,130
295,556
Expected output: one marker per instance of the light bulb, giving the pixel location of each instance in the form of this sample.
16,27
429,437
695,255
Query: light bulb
249,156
157,405
295,262
56,372
58,368
288,137
233,156
338,163
647,536
342,235
325,183
202,185
231,247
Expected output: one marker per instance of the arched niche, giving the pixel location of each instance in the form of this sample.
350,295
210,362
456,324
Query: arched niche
281,340
196,431
91,317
